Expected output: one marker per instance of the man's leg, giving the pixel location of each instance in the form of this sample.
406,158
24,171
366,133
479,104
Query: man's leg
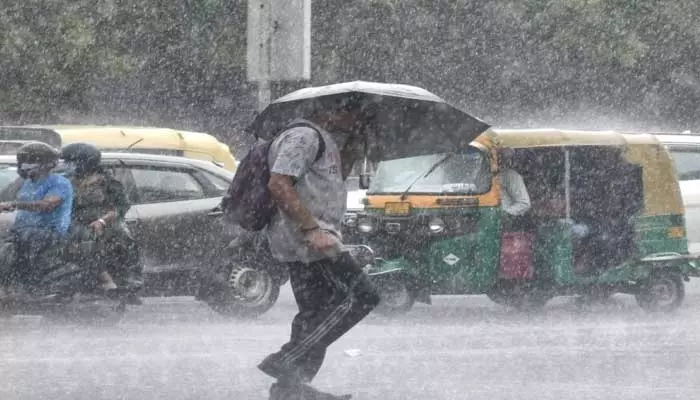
339,296
357,289
313,295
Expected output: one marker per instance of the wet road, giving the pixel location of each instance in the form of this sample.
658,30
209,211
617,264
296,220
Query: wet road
459,348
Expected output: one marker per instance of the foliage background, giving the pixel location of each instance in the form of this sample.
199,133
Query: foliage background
627,64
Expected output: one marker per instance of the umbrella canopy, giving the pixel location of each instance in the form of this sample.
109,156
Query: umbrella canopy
407,120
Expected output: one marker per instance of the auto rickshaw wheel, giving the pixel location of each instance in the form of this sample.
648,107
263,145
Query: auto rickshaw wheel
250,293
396,297
663,292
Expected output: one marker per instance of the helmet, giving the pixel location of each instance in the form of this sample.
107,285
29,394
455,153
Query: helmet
34,156
85,156
37,153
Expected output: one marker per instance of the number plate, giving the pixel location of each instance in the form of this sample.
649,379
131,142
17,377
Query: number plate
397,208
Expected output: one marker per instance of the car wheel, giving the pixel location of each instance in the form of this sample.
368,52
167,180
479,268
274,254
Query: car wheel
663,292
250,293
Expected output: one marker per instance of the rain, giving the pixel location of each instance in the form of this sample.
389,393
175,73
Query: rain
597,102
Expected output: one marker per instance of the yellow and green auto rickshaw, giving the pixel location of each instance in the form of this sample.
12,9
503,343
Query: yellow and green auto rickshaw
605,216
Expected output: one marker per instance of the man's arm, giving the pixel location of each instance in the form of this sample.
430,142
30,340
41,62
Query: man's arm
296,152
53,199
283,192
518,192
117,199
47,204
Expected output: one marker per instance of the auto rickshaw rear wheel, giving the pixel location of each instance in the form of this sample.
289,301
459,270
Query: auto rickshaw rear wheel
663,292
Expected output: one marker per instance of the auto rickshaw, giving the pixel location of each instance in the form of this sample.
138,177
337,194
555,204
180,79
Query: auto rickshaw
606,217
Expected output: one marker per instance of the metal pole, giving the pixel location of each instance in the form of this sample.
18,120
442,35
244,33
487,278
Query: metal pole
567,183
264,65
263,94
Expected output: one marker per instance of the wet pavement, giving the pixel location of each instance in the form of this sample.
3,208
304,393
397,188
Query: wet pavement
461,347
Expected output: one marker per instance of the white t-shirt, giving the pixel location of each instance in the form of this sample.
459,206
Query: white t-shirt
320,186
514,197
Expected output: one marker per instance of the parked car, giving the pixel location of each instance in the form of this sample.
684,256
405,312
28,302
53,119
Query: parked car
685,150
185,244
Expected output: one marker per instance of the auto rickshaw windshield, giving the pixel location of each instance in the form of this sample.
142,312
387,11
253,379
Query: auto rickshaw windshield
467,172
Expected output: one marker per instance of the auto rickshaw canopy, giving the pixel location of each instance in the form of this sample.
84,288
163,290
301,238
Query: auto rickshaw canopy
661,190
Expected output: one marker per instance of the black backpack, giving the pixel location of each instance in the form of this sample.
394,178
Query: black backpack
248,201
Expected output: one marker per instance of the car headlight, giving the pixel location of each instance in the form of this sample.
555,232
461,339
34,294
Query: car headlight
436,225
365,225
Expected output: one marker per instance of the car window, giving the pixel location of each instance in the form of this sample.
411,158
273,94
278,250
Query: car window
687,161
123,175
162,185
214,184
8,175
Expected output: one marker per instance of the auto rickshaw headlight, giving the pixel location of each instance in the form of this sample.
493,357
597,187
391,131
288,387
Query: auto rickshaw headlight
365,225
436,225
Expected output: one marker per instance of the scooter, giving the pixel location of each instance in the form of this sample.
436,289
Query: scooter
60,286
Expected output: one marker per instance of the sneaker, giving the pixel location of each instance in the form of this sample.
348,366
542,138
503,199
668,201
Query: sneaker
301,392
310,393
279,392
274,367
133,299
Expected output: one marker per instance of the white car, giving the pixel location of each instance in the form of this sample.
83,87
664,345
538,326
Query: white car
355,194
685,150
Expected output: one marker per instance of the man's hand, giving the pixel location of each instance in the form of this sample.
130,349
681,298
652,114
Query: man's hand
97,226
321,241
7,206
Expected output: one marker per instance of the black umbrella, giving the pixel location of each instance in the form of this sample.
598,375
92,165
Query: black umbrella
407,120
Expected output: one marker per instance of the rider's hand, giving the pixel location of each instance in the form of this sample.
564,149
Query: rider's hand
97,226
321,241
7,206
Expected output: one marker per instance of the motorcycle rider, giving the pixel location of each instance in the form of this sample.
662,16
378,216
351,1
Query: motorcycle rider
99,208
44,204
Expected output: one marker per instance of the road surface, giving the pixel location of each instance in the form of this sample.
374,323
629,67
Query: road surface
461,347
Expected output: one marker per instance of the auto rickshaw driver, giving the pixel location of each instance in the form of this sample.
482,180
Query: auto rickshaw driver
515,200
516,224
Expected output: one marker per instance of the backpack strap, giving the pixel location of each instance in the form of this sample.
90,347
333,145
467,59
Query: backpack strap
321,140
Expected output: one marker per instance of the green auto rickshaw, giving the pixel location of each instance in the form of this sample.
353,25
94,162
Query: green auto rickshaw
605,217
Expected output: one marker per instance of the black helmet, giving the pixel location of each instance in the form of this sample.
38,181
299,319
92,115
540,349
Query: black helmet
37,153
85,156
